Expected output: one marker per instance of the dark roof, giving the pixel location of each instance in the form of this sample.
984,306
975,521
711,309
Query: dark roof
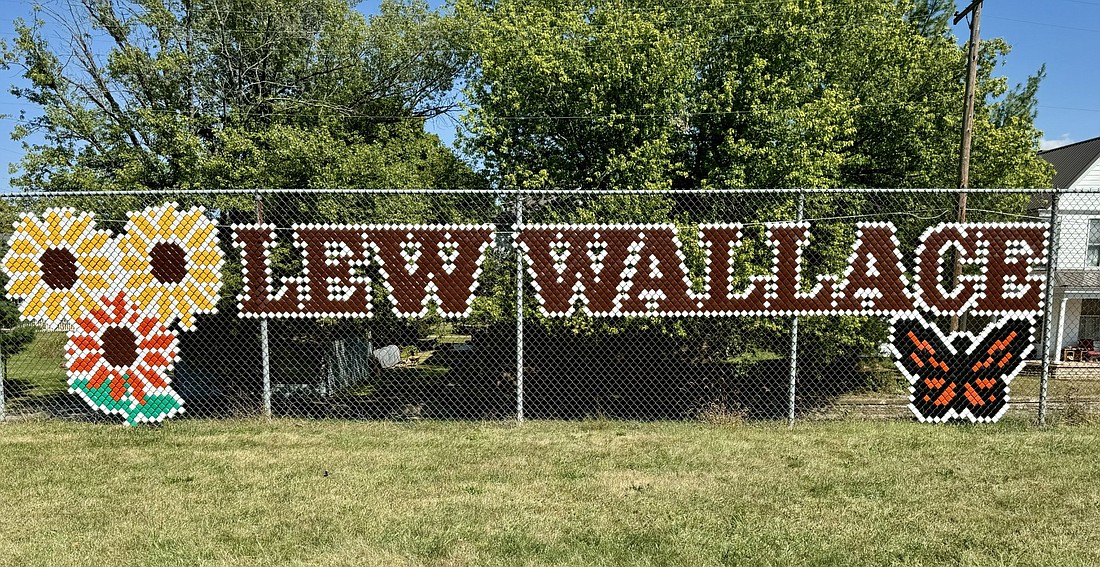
1038,202
1071,161
1077,278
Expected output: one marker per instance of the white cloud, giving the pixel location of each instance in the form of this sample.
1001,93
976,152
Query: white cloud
1051,143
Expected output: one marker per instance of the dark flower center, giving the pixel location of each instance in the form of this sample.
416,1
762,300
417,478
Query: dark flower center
58,268
169,262
119,346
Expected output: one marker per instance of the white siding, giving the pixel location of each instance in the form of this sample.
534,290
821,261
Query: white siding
1091,177
1076,211
1073,324
1073,239
1079,202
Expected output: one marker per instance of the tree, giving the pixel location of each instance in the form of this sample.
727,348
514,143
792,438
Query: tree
1020,102
577,96
184,88
929,18
15,335
629,94
635,94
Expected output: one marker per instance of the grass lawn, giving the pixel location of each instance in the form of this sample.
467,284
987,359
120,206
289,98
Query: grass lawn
588,493
37,370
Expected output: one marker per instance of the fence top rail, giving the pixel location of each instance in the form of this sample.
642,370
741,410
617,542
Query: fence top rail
514,191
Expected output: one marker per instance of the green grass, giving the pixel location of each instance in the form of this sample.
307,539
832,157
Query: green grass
37,370
589,493
1061,386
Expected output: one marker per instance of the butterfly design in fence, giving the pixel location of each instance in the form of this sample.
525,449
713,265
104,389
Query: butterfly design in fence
960,375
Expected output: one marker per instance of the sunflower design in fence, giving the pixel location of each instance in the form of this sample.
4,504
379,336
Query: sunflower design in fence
120,295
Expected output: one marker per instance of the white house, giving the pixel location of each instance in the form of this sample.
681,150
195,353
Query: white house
1076,286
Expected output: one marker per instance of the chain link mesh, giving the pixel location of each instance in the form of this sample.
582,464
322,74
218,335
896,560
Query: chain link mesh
386,366
1072,389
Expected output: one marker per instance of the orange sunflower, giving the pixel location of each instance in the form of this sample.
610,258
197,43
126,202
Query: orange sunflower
118,360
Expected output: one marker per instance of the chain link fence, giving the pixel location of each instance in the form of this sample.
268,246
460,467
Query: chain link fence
503,305
1073,381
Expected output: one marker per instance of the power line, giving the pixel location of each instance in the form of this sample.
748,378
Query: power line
1069,108
1058,26
1081,2
534,117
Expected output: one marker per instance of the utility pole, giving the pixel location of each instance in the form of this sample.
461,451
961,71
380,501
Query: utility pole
975,10
190,64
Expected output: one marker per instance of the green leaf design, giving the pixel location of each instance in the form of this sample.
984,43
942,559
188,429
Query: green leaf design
160,404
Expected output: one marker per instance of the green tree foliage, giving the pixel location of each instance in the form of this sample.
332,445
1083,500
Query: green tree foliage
713,94
15,335
169,94
1021,101
578,96
929,18
636,94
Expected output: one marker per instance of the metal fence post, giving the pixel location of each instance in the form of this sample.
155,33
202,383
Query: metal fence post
265,353
3,376
794,338
1048,306
519,313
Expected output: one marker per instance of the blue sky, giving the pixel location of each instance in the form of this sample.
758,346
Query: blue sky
1063,34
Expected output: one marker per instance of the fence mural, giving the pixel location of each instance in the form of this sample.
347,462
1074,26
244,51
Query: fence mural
120,295
489,305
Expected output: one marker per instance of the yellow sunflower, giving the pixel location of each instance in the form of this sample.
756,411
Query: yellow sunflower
173,262
59,265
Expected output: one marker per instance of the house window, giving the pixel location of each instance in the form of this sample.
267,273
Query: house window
1089,325
1093,258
